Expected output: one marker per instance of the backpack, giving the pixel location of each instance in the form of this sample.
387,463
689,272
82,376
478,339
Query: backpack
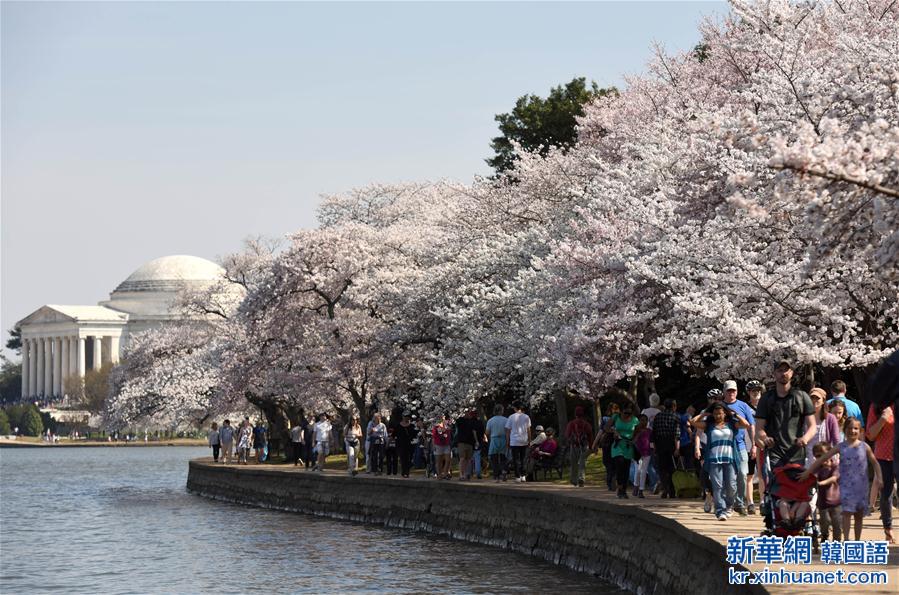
793,406
580,439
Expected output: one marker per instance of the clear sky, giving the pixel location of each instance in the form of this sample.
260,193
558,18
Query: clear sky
136,130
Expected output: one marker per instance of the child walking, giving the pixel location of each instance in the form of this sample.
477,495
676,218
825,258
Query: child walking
642,442
855,457
828,495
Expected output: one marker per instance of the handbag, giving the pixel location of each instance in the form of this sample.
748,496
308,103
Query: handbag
607,439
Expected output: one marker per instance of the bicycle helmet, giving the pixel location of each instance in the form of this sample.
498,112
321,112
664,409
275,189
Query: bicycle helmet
715,393
754,385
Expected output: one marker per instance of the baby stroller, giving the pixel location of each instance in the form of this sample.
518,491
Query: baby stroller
783,485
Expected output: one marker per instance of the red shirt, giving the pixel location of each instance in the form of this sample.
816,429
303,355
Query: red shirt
441,435
883,444
579,432
549,446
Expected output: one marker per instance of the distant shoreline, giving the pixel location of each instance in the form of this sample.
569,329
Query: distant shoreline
4,443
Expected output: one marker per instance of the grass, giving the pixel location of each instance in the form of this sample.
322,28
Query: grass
596,473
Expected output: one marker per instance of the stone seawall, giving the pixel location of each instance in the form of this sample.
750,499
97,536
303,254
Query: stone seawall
631,547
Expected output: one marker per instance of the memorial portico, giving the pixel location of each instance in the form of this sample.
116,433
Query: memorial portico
60,342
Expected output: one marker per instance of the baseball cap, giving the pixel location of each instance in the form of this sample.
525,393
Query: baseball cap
783,362
730,385
539,428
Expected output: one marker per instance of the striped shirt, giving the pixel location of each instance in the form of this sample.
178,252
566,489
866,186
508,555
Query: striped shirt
721,445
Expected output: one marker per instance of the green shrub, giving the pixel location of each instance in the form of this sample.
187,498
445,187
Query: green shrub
31,423
4,423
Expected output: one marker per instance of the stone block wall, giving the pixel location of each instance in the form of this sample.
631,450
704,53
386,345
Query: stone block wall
625,545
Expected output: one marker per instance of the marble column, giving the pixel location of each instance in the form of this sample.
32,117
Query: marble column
114,350
32,366
66,360
26,360
73,355
57,366
81,357
38,367
98,352
47,372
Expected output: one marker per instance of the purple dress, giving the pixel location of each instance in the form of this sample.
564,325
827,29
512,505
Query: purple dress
854,477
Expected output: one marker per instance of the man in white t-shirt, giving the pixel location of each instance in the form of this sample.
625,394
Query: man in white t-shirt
653,409
296,443
321,435
518,434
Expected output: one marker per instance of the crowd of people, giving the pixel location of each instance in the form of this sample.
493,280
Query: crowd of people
235,442
727,444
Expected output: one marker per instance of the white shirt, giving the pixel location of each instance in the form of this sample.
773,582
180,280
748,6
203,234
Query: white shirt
518,424
650,413
322,432
540,439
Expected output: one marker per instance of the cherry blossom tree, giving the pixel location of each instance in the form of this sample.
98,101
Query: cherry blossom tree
722,210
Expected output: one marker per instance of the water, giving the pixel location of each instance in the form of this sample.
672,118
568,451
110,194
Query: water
119,520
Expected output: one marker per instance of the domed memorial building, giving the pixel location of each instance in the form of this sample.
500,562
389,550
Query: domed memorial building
60,341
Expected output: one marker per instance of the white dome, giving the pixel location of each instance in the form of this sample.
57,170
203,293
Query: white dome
171,273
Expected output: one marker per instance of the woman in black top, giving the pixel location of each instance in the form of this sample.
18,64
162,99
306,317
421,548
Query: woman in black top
406,434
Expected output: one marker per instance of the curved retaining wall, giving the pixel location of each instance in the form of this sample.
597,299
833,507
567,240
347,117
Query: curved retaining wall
626,545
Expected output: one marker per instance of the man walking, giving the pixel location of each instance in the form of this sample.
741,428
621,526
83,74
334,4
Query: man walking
260,441
466,439
665,441
780,416
309,440
518,434
579,436
496,449
297,443
838,391
321,435
745,438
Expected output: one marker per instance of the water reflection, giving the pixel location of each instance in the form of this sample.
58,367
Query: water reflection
119,520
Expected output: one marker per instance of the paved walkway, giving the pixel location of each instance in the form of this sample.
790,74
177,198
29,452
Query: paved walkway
689,514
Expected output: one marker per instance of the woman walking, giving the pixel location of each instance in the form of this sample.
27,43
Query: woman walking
721,425
880,431
754,392
377,441
622,426
244,442
604,441
406,434
352,435
441,436
213,439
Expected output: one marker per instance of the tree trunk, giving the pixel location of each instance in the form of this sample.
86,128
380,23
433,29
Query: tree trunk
862,376
632,389
278,423
560,397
